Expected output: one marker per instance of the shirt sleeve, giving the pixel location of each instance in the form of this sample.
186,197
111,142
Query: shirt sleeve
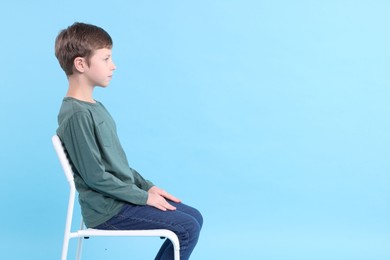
80,143
140,181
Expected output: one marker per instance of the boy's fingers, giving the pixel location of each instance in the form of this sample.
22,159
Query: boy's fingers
168,206
164,194
163,205
171,197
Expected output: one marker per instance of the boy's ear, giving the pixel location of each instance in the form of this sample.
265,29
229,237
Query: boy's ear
80,64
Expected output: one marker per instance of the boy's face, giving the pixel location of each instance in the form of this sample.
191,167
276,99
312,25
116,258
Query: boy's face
101,68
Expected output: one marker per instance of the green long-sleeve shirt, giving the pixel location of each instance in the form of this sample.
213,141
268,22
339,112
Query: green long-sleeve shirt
102,174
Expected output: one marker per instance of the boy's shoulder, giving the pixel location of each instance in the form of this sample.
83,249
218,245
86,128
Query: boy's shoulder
77,113
72,108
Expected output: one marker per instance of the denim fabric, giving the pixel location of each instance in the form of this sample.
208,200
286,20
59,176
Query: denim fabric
186,222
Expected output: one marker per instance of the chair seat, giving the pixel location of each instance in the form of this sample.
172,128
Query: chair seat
137,233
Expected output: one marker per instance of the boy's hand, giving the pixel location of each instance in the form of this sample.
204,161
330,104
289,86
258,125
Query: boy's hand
157,198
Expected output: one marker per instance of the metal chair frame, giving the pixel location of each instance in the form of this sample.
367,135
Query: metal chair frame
89,232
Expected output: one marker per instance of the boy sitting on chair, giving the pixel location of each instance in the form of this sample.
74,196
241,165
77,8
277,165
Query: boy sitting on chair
111,194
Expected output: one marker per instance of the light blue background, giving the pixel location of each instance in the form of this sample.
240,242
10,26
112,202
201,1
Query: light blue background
271,117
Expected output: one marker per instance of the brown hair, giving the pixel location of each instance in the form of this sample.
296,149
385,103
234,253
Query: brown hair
79,40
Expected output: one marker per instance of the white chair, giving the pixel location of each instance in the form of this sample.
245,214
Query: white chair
89,232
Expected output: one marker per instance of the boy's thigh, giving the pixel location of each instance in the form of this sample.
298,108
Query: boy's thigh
139,217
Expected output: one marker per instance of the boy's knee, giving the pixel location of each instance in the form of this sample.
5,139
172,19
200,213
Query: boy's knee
196,225
193,226
199,218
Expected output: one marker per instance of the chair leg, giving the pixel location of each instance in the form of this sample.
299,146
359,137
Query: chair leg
80,243
79,248
176,249
65,247
176,254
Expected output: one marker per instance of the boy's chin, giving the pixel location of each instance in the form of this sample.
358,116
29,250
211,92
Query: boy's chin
102,85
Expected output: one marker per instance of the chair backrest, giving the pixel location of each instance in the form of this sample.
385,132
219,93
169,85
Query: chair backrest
62,156
60,150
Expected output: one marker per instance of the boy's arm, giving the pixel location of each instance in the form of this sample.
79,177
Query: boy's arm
140,181
85,156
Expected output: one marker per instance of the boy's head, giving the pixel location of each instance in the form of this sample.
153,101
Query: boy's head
79,40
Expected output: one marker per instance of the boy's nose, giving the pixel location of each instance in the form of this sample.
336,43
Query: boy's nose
113,67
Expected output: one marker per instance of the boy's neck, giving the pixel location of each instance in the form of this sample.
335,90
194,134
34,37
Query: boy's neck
80,90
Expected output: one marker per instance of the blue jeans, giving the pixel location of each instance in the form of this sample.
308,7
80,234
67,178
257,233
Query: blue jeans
186,222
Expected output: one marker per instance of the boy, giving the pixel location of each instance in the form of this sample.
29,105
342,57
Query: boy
111,194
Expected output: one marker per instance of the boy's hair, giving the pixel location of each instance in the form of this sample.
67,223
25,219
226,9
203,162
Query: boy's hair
79,40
